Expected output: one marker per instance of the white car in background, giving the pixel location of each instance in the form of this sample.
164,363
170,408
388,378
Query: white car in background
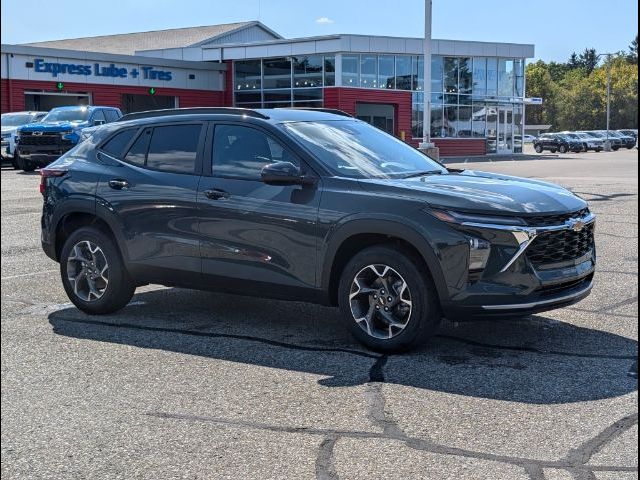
10,123
529,138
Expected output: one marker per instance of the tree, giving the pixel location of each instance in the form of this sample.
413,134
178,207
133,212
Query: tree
589,60
540,84
574,61
632,56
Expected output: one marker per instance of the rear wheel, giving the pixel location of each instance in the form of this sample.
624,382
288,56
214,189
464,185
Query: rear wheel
93,274
388,302
563,149
553,150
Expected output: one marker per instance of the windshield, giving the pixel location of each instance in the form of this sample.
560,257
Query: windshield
16,119
597,134
74,115
351,148
570,135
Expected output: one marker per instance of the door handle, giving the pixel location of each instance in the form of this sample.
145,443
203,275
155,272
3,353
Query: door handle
118,184
217,194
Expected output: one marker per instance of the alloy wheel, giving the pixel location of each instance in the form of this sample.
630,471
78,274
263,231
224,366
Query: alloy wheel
380,301
88,271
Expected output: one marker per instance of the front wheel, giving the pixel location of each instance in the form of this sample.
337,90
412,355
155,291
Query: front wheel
538,148
93,273
563,149
388,302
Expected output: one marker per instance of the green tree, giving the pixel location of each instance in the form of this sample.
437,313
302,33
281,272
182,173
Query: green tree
589,59
540,84
632,56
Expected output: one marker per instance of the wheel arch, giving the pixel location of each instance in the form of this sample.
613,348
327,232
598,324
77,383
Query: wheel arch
357,235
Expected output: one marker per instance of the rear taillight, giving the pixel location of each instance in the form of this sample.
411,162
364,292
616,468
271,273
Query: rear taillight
49,173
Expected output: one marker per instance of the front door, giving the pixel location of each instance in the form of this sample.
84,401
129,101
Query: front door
505,130
250,231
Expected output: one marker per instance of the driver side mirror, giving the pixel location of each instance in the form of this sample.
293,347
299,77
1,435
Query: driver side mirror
283,173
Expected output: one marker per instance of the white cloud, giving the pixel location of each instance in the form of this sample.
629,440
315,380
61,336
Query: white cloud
324,20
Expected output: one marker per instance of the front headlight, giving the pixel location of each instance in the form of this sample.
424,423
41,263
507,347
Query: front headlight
473,219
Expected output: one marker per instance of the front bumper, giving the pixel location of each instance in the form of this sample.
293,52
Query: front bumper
520,280
42,154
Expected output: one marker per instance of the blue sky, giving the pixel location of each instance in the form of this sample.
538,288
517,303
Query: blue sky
556,27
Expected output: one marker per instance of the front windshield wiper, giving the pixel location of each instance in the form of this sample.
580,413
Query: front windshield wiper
424,174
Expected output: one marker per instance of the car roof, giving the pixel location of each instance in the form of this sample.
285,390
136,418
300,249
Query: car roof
268,115
25,112
75,107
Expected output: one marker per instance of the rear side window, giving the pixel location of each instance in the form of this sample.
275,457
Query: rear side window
112,115
174,148
98,115
138,151
119,142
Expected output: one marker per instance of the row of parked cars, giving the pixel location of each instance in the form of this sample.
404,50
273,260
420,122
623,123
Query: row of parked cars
584,141
35,139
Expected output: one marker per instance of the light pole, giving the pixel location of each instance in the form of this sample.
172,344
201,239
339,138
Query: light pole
426,145
607,142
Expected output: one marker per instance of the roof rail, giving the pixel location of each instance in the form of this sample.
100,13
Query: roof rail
335,111
192,111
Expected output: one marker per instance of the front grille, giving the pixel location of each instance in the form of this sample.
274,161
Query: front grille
563,287
561,246
551,220
27,138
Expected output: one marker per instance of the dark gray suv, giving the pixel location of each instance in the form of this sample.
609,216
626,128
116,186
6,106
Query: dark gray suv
309,205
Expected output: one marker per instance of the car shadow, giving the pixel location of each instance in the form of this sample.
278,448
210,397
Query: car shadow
539,361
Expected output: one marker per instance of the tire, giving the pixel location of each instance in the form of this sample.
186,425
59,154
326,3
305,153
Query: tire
422,315
585,147
553,150
562,149
615,149
598,149
28,165
539,149
119,288
14,162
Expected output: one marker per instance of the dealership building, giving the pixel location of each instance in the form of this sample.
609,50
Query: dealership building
476,90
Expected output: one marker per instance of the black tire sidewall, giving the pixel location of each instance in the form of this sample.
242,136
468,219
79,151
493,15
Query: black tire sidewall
425,316
120,288
539,149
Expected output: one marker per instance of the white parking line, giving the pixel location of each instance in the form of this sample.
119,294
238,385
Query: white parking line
9,277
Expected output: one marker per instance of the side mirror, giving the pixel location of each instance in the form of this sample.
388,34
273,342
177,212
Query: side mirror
99,122
282,173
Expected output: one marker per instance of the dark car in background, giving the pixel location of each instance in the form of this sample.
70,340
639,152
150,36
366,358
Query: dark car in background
557,142
629,132
40,143
589,142
616,142
628,141
309,205
10,124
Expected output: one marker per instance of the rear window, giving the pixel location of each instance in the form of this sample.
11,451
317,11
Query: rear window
116,145
174,148
112,115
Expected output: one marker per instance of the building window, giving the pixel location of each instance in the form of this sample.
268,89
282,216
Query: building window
247,75
418,72
368,71
277,96
492,77
417,119
465,71
403,80
276,73
386,72
350,70
505,77
437,72
307,71
479,88
450,75
518,69
478,118
307,94
437,121
329,71
450,127
464,122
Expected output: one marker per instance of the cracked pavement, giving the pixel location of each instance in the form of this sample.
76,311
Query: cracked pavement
198,385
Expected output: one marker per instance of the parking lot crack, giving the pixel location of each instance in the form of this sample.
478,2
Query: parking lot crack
325,467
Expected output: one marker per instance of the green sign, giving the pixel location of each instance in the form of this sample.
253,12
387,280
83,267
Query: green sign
152,91
59,85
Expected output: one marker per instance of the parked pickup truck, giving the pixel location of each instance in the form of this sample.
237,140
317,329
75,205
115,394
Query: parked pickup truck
39,144
10,124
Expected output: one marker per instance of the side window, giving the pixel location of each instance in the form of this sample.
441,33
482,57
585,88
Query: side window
116,145
99,116
241,152
174,148
111,115
138,151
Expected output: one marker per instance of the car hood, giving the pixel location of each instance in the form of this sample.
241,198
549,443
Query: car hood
52,127
9,129
481,192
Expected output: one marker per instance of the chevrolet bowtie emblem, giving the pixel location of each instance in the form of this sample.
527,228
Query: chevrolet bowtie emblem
576,224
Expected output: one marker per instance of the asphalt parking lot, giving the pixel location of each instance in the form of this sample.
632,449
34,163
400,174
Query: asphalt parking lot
197,385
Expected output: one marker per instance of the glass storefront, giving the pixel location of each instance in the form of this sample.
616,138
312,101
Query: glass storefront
471,97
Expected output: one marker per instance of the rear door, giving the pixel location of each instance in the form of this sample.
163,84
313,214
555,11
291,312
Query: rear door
251,231
150,188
